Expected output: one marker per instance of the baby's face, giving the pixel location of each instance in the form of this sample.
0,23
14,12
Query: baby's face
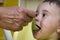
47,20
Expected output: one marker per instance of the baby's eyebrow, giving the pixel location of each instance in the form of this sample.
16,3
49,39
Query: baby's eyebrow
45,10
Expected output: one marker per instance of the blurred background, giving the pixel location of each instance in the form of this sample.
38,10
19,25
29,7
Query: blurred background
29,4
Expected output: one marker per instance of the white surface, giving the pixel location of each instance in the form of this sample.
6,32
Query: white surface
19,3
8,34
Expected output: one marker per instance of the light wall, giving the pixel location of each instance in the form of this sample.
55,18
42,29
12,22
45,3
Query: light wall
30,4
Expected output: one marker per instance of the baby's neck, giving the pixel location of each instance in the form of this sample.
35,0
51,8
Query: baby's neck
54,36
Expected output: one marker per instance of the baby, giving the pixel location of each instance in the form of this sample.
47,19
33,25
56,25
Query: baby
48,20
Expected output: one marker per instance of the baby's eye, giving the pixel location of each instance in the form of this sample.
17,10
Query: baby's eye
36,14
43,15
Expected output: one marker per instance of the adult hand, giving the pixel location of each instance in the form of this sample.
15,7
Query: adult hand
14,18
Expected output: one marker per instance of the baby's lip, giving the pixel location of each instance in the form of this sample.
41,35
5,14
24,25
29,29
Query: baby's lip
35,32
38,26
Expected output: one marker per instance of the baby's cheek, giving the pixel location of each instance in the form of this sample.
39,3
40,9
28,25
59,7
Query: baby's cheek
47,22
46,26
46,29
49,25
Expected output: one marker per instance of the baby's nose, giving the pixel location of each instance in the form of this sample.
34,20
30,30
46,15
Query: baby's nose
38,22
36,19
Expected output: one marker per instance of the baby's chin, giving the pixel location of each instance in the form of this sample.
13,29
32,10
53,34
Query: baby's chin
36,34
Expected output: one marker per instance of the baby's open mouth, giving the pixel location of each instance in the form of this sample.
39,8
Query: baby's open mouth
36,29
39,28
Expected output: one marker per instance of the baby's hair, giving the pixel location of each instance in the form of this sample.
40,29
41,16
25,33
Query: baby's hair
53,1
